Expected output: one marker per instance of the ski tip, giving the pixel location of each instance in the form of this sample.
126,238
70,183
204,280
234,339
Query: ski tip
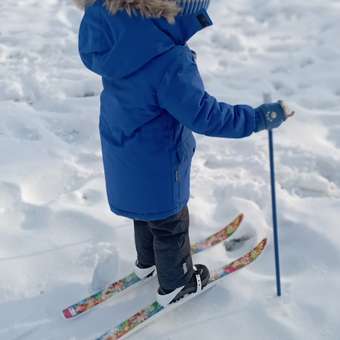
240,218
236,222
262,244
67,313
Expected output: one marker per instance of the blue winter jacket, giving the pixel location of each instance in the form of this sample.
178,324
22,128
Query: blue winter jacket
153,98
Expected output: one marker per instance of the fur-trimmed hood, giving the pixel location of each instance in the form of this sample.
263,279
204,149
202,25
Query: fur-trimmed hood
168,9
120,44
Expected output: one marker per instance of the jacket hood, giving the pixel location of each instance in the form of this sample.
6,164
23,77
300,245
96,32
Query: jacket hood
168,9
116,46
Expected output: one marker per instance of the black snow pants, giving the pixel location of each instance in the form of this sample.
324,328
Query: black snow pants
165,243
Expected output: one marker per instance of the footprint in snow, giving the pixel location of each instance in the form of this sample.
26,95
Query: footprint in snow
283,88
310,184
306,62
19,130
311,175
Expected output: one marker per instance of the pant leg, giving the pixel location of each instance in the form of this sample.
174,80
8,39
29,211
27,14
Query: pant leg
144,244
172,250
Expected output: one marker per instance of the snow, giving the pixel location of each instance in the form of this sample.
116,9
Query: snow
58,239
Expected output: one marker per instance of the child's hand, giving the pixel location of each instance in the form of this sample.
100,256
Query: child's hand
272,115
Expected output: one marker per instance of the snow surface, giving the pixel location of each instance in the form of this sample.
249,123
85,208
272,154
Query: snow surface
57,235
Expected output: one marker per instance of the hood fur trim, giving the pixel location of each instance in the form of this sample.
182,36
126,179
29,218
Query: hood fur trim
148,8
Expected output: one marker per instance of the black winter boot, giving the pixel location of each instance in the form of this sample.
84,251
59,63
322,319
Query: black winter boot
198,281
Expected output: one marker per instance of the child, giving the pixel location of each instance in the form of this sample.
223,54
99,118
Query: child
153,98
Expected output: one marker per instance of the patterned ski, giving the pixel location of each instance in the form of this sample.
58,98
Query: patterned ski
132,279
155,310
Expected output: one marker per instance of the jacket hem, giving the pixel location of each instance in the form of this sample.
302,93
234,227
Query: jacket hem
149,216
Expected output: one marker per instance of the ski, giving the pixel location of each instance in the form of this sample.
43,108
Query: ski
132,280
155,310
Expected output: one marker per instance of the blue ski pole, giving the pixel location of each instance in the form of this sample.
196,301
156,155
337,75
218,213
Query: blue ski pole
267,99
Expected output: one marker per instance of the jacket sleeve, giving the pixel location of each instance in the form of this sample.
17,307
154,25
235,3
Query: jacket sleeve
181,93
